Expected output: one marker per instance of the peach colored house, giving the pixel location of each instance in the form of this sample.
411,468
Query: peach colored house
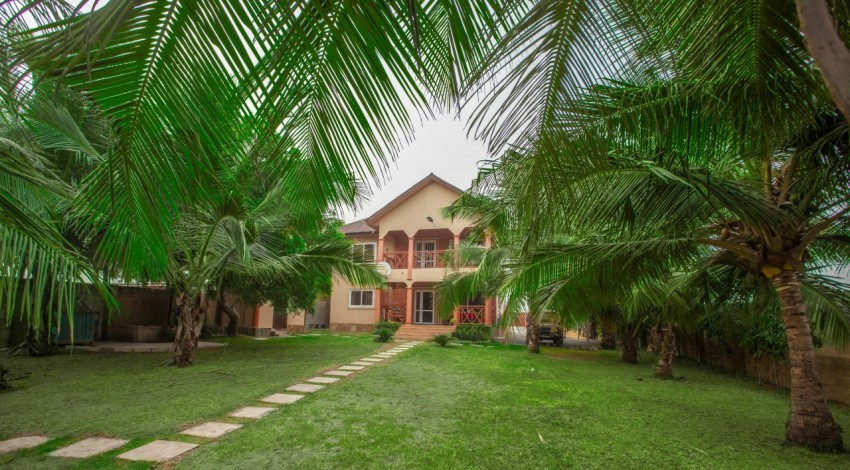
410,238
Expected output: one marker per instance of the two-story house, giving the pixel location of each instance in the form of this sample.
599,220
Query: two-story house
410,239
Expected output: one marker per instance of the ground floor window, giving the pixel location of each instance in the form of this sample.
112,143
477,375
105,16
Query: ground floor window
361,298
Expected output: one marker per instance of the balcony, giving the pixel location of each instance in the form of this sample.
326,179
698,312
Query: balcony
421,259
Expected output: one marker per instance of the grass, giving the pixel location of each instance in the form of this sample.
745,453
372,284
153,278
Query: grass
429,407
137,397
496,407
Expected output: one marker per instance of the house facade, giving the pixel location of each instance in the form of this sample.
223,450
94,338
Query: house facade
410,239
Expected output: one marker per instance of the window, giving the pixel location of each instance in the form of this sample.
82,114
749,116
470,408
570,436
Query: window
365,250
361,298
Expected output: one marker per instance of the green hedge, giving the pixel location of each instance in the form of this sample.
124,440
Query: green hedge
473,332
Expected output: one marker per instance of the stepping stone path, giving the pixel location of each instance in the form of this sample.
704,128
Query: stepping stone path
339,373
89,447
306,388
163,451
323,380
252,412
158,451
282,398
211,429
18,443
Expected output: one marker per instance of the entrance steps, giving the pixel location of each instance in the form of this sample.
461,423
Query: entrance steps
422,332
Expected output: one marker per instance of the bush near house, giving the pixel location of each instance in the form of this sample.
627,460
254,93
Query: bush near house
442,340
385,330
472,332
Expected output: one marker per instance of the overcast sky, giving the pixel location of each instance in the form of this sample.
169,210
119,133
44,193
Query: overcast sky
441,147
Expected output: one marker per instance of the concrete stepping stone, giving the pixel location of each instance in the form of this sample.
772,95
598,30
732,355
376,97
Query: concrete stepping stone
373,360
306,388
339,373
211,429
351,368
25,442
89,447
282,398
322,380
252,412
362,363
158,451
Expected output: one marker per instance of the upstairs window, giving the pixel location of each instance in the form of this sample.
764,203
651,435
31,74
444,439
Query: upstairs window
365,251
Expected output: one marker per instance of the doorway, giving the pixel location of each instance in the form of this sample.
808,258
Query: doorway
423,307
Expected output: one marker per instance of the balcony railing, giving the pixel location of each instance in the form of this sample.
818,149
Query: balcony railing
470,314
396,259
429,259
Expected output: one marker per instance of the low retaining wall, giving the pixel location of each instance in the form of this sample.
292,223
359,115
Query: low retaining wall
834,365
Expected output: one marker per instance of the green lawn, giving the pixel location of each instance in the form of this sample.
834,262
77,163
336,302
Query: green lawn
430,407
135,396
488,407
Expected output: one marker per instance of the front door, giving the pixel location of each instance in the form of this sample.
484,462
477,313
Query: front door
423,307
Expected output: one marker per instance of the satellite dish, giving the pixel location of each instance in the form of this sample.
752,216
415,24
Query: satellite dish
385,268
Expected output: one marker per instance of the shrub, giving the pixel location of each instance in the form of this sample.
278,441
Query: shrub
385,330
390,325
472,332
442,340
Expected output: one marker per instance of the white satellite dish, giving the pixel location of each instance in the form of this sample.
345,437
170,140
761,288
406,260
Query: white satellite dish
385,268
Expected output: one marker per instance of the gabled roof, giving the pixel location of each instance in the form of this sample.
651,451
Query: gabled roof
357,227
422,184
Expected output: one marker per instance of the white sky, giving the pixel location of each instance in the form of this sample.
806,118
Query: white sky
441,147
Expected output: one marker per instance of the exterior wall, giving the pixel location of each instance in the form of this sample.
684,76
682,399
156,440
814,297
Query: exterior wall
342,316
295,323
140,306
245,325
410,215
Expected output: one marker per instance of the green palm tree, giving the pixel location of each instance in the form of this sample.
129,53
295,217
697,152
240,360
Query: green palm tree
49,139
677,136
235,229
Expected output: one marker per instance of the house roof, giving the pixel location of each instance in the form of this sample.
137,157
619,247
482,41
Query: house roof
356,228
422,184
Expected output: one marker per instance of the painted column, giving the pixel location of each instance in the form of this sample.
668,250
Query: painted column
456,316
457,245
377,305
489,306
488,241
256,322
379,256
409,258
408,307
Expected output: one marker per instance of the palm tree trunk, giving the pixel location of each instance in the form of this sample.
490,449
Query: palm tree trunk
609,334
828,49
811,424
188,329
591,328
664,368
532,334
232,316
630,352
